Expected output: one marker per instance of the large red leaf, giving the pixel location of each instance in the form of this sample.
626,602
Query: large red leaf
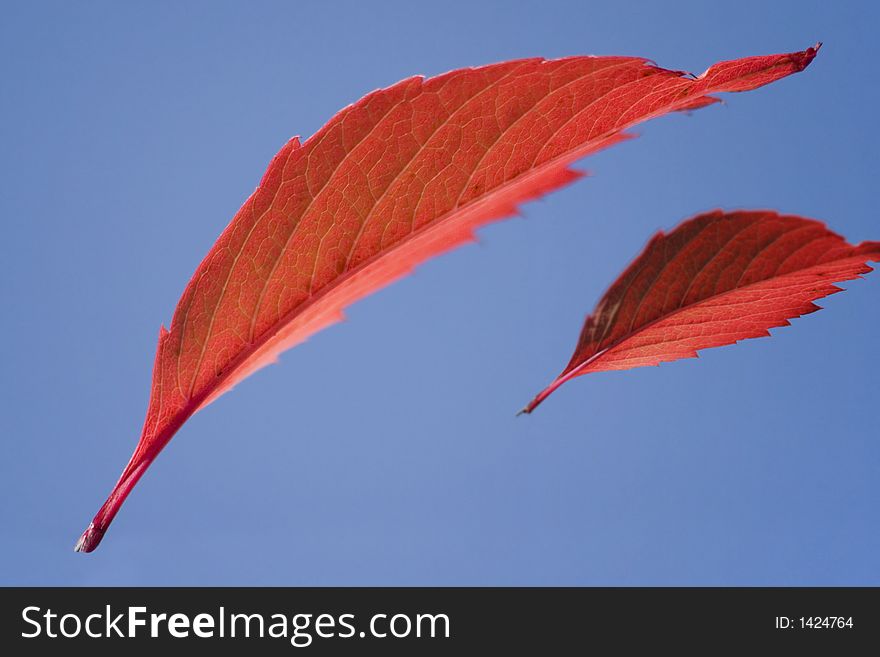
716,279
404,174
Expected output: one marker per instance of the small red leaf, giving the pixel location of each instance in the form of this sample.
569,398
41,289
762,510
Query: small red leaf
404,174
716,279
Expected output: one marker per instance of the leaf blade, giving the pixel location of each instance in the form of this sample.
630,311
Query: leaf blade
404,174
714,280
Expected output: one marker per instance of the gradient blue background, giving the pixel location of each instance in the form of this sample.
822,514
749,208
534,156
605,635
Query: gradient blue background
385,450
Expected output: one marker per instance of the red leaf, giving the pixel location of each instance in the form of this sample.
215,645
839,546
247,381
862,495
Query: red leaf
404,174
716,279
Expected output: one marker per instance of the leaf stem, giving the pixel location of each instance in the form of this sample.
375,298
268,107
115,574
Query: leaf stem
92,536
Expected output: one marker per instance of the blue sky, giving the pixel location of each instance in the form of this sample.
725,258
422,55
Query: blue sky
385,450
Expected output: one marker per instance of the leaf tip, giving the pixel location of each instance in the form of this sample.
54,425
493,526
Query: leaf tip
804,58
